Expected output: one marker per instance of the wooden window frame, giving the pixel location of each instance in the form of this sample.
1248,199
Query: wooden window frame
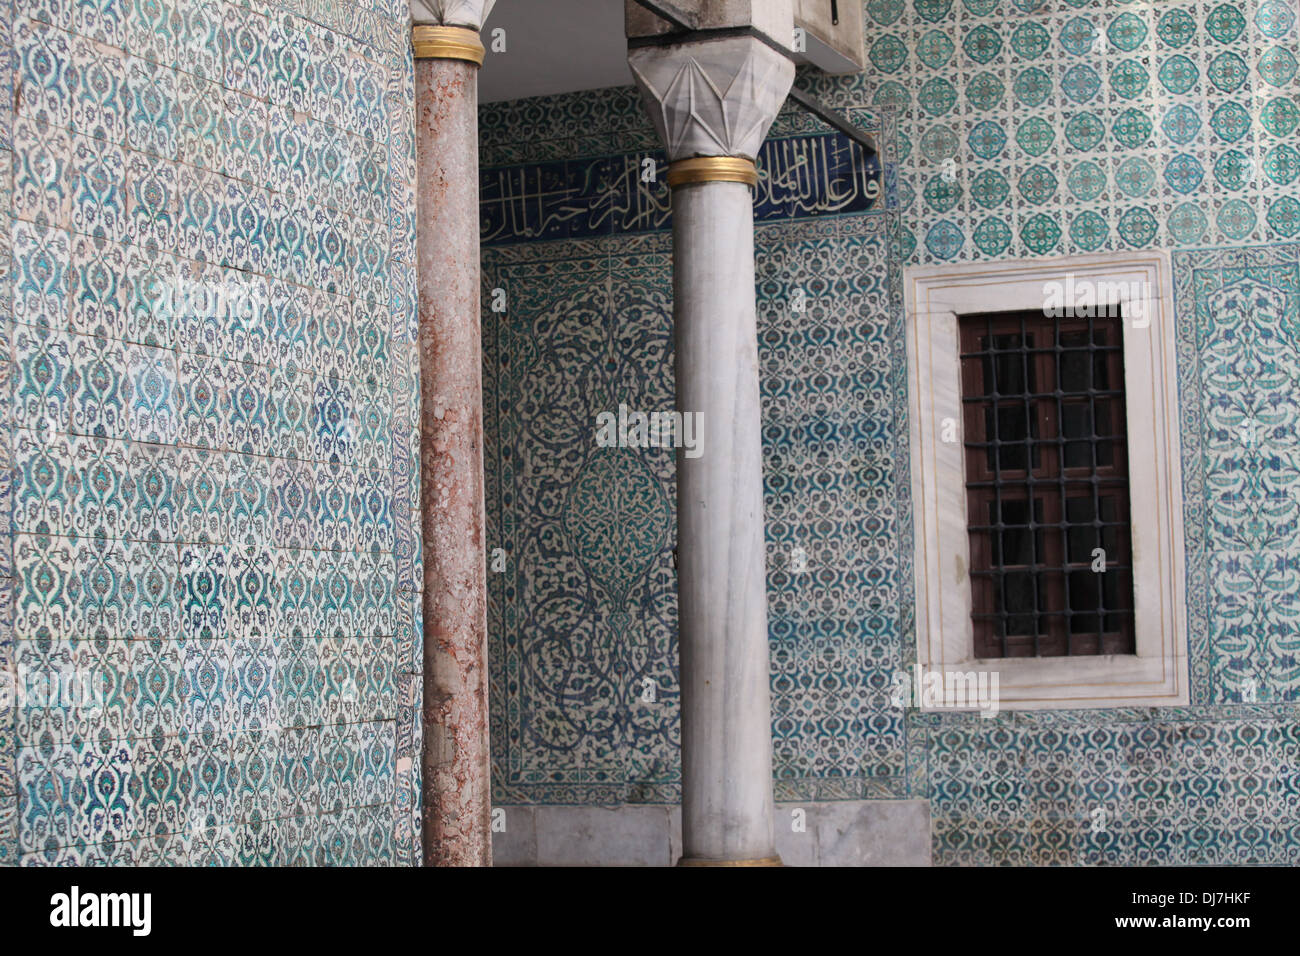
1139,284
1047,478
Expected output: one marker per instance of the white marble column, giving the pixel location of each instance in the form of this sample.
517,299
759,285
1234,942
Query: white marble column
456,762
713,101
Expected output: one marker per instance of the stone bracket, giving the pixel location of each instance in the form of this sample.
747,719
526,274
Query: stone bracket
833,119
720,33
670,13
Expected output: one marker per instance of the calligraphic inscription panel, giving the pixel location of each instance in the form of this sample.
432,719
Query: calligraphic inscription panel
799,177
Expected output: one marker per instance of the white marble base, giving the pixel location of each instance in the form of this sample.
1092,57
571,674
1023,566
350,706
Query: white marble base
843,833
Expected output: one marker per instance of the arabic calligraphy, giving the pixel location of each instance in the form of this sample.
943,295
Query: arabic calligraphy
799,177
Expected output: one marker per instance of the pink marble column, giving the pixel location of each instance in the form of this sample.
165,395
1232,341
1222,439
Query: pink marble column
456,761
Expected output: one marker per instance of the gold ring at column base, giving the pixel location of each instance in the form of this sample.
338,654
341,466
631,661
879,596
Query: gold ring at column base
447,43
761,861
712,169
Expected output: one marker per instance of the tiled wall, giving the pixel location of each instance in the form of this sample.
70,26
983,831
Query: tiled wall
1033,127
209,431
1008,129
584,613
212,494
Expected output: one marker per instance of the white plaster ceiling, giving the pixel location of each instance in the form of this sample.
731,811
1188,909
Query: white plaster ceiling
554,46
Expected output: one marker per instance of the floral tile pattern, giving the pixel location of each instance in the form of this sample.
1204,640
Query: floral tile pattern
1008,128
210,576
1240,326
584,613
1114,788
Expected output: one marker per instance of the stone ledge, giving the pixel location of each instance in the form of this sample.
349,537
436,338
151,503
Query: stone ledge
841,833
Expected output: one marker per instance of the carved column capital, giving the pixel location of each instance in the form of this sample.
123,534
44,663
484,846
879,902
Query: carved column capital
712,97
451,13
448,29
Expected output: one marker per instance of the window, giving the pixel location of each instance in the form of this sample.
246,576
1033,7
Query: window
1046,488
1046,485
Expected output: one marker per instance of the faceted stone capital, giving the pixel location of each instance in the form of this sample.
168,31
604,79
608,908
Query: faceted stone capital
452,13
712,97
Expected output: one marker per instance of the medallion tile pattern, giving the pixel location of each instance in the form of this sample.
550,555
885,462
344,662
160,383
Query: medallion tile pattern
585,612
209,582
1117,124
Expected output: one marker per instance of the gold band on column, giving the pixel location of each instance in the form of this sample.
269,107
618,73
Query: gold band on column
762,861
712,169
447,43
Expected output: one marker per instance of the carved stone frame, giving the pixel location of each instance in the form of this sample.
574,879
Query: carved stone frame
1156,675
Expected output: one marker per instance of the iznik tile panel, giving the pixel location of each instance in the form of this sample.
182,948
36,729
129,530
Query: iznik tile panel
584,613
584,198
210,574
1030,127
1008,129
1240,337
833,445
1173,788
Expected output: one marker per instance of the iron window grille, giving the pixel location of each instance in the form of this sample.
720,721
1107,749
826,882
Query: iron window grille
1047,485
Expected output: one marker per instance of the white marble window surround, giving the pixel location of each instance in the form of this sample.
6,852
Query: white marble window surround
1156,675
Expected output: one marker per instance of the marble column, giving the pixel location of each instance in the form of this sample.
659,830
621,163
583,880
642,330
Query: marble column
712,101
456,760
